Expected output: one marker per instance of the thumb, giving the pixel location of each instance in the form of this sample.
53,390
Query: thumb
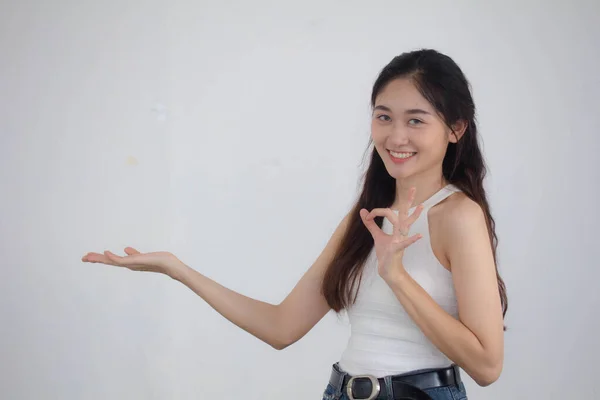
131,251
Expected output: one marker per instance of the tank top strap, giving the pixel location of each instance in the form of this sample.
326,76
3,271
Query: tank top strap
442,194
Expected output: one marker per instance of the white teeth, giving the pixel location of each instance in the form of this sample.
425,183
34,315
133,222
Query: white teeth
401,155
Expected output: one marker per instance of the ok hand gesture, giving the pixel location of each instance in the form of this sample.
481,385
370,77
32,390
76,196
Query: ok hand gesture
389,249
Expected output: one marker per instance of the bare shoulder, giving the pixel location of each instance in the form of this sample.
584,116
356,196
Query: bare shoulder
458,212
456,219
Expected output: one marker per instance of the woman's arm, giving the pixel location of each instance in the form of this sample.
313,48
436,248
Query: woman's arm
475,342
277,325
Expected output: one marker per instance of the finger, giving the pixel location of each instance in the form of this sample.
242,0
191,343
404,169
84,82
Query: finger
133,259
97,258
414,216
407,203
400,231
408,241
115,259
384,212
369,222
131,251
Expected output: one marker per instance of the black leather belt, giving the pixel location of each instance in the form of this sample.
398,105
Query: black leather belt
405,386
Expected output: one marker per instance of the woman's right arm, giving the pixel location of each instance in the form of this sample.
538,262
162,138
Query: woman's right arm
277,325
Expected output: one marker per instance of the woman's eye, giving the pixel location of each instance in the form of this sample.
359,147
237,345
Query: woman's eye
384,117
414,122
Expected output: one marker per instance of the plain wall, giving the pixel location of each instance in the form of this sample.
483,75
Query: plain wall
232,133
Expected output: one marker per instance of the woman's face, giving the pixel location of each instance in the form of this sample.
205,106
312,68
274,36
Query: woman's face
407,132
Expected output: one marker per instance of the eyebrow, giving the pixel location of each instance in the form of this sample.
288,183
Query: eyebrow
411,111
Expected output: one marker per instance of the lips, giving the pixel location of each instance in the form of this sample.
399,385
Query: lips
401,157
402,154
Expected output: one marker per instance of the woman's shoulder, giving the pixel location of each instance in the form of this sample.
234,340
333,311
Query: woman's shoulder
458,211
453,222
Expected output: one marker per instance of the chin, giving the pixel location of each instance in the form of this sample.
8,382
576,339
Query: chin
402,176
399,171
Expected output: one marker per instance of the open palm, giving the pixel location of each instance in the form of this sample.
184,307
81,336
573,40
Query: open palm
161,261
389,248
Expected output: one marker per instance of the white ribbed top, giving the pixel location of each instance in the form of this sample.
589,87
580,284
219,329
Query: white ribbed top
384,340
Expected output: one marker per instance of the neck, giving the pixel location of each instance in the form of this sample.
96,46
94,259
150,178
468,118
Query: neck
427,184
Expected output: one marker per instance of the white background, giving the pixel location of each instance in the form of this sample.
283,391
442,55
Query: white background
232,134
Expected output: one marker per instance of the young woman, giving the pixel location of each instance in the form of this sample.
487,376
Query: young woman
413,263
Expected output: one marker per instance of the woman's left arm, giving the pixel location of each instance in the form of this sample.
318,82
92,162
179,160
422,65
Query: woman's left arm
475,342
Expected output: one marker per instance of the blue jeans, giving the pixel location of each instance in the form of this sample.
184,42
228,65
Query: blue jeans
438,393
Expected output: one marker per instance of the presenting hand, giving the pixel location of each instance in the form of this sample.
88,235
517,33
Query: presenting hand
389,249
162,261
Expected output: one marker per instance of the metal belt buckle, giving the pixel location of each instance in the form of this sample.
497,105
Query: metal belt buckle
375,388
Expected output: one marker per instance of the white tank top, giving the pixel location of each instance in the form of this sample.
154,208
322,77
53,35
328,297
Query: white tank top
384,340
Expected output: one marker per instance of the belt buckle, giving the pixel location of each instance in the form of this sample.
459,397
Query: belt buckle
375,387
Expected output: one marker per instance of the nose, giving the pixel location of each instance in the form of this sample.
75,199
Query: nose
399,135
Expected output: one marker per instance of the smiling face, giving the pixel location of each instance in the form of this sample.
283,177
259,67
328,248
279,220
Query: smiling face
407,132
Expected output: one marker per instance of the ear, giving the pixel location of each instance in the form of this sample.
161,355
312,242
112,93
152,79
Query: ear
458,130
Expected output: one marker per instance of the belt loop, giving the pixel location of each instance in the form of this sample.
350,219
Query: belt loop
389,387
456,374
339,385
